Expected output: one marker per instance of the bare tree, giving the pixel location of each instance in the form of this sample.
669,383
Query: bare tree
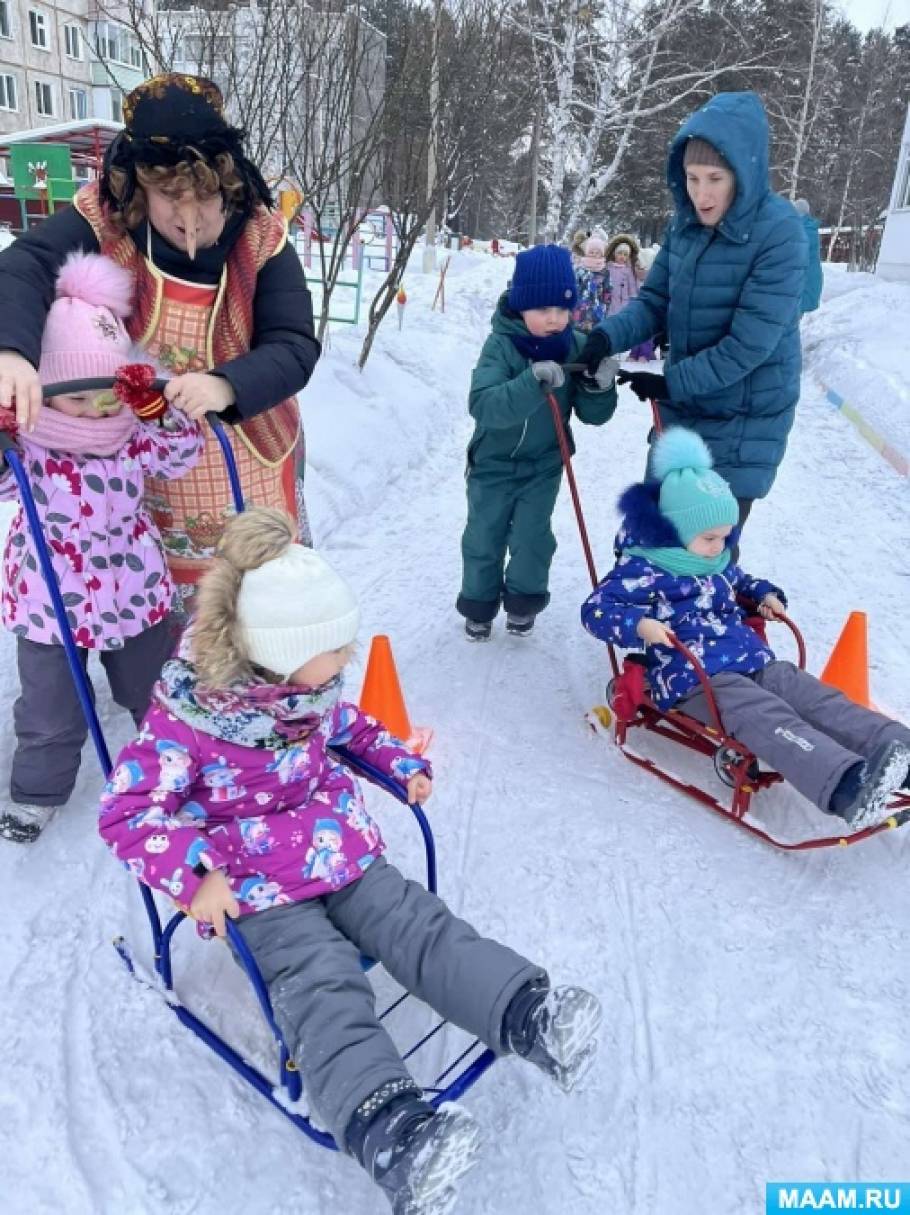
305,84
608,66
474,43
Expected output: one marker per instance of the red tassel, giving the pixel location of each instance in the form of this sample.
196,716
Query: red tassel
8,422
133,386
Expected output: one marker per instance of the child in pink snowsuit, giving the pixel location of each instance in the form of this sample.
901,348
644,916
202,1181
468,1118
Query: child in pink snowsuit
252,706
85,457
625,276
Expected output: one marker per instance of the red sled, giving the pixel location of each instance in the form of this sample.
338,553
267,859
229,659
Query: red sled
632,705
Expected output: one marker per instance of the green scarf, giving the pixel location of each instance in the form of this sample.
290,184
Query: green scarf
681,561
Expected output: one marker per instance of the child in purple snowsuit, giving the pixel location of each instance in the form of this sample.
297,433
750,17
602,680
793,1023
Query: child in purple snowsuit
86,457
231,801
675,577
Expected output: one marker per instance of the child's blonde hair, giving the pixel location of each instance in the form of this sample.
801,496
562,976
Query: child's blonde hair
249,540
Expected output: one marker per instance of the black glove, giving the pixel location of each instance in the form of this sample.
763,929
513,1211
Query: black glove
646,385
595,349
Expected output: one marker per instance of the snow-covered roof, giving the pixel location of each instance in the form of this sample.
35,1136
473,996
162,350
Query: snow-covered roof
58,129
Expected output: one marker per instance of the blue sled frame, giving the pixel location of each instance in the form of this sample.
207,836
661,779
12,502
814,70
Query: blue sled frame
286,1091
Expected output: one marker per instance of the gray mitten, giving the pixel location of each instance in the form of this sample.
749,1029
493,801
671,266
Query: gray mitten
549,374
605,374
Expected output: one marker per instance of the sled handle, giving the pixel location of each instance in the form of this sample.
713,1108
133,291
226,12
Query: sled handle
230,462
566,455
797,637
750,606
713,710
66,387
12,458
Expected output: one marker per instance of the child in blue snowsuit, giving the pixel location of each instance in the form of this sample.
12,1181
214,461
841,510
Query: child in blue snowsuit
674,577
514,466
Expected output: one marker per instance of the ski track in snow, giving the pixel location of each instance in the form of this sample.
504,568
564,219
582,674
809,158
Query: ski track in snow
754,1000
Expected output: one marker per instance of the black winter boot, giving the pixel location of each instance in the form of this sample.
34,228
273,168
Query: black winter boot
861,796
413,1152
555,1028
518,625
478,630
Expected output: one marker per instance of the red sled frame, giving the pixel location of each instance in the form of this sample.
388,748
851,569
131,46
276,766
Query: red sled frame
632,706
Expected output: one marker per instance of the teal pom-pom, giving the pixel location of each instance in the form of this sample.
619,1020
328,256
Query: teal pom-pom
679,448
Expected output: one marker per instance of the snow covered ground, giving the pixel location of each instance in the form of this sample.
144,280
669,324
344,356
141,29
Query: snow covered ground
755,1001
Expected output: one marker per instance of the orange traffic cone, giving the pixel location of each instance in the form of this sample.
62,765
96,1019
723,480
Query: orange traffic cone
381,696
848,667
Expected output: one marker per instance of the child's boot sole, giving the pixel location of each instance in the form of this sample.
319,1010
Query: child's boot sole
889,779
444,1158
570,1038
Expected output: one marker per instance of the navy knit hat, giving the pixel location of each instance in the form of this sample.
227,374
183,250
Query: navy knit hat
543,278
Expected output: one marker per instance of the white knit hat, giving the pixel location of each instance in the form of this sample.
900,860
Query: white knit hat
292,608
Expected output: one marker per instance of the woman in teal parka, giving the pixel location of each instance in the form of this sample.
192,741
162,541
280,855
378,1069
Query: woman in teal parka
514,465
726,287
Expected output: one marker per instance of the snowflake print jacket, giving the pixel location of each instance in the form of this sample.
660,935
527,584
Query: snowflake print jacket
702,611
207,785
106,550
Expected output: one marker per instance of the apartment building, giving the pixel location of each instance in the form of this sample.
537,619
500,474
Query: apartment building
63,60
45,71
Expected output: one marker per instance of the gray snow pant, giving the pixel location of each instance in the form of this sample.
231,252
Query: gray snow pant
810,733
309,955
50,726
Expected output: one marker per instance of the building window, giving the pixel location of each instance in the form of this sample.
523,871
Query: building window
78,99
37,24
44,99
6,30
8,97
117,107
115,43
73,41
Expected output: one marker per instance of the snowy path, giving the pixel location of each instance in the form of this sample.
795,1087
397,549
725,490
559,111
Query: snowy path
754,1001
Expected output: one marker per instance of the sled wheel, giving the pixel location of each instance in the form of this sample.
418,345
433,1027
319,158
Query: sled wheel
611,693
725,761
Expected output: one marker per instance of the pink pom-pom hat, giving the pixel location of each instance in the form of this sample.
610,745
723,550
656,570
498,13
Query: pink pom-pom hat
84,335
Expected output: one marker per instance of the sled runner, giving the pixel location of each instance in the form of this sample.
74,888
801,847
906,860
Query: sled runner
632,707
734,764
285,1089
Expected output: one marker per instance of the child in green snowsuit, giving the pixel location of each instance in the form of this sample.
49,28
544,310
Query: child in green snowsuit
514,466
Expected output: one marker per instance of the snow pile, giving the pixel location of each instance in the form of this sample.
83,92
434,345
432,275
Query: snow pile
859,346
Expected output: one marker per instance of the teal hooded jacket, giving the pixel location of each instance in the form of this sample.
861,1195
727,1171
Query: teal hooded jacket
513,420
729,299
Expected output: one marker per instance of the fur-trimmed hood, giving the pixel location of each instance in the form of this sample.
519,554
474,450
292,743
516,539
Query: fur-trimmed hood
643,525
623,238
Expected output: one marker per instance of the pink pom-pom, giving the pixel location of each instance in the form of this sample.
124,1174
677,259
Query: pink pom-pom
97,281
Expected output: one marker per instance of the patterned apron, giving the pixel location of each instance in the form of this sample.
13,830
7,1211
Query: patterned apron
191,511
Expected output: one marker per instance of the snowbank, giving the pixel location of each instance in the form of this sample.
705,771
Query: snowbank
858,344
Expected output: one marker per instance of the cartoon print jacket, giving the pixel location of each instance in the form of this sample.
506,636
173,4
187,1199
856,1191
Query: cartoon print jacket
280,816
105,549
703,612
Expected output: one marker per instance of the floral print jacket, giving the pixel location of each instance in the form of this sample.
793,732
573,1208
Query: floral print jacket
106,550
205,787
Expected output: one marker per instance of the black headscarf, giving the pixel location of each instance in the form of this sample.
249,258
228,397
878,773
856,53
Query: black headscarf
173,118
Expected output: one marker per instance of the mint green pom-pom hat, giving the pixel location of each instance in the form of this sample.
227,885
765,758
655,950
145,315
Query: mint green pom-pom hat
692,495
